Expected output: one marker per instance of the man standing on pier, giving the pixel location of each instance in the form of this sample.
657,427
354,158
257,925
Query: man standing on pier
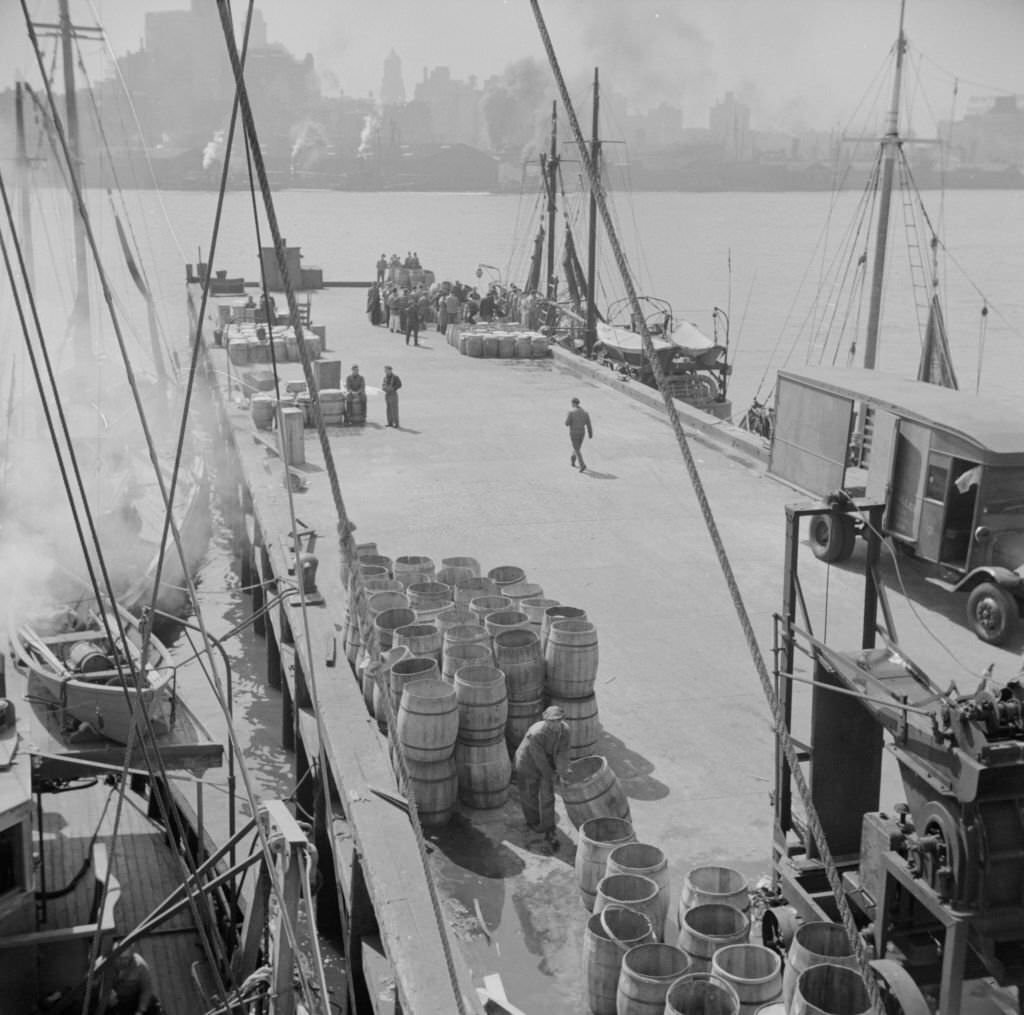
390,385
578,422
541,757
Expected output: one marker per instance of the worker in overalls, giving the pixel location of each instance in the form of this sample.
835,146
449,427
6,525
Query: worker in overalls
542,757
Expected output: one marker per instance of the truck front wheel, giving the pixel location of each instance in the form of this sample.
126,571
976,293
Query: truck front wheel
992,612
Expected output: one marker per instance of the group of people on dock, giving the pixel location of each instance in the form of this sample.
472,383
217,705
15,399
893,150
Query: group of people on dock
411,309
412,260
355,396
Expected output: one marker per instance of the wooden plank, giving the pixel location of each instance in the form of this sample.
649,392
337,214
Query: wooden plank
380,977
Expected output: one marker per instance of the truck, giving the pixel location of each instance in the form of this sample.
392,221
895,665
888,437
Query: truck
948,465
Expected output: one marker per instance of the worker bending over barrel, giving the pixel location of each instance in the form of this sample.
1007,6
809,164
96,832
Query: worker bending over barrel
542,756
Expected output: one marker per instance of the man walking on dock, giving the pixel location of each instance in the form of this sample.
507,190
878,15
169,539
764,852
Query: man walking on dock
542,756
578,422
390,385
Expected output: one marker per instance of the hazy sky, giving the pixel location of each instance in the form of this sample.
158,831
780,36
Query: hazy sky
794,61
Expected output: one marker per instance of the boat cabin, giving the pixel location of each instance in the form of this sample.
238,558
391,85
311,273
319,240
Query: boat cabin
948,465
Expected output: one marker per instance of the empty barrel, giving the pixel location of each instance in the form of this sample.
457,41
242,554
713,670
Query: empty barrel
482,606
521,716
648,970
608,936
501,621
483,704
705,929
428,720
405,671
701,994
484,773
814,943
421,640
534,609
472,588
411,569
517,655
828,989
649,861
591,789
630,890
388,621
712,883
597,838
556,613
752,970
506,574
583,720
571,657
434,788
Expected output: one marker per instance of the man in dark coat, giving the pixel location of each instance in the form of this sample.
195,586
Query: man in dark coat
578,422
390,385
541,757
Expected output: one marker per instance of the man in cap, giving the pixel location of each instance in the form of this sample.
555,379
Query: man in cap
542,756
578,422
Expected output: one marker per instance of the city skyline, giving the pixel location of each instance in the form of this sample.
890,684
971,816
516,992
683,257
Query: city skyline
796,63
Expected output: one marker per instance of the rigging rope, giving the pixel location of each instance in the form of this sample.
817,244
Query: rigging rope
781,730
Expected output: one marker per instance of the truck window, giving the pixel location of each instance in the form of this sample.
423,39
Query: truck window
937,480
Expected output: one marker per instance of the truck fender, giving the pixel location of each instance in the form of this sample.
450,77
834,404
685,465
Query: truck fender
1001,576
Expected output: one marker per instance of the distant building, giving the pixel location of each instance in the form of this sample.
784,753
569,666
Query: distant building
392,87
991,135
454,107
729,123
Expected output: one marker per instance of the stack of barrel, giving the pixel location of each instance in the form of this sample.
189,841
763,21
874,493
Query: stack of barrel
569,644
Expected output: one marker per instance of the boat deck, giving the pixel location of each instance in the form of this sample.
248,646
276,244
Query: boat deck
479,467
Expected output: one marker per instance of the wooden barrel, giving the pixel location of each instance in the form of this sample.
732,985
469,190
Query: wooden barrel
388,621
553,614
484,771
454,616
506,347
520,591
411,569
474,345
373,571
584,722
367,549
524,347
701,993
517,655
633,891
500,621
263,408
462,634
458,569
429,595
483,704
421,639
534,609
382,585
405,671
375,559
381,691
591,789
608,936
814,943
469,653
428,720
705,929
378,602
713,884
521,716
540,347
648,970
597,838
483,605
506,574
651,862
570,658
472,588
753,971
434,788
490,344
829,989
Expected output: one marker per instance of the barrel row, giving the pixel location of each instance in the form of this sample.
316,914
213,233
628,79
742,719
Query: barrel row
488,341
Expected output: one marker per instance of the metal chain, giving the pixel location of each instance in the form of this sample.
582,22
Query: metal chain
734,591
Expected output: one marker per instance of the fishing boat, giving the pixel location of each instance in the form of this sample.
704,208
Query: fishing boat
566,306
92,661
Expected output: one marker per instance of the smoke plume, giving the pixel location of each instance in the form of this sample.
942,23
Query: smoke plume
214,151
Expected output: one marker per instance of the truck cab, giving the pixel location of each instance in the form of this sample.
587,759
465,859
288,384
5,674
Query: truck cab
948,465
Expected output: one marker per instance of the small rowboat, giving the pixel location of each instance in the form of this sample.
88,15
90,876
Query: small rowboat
78,662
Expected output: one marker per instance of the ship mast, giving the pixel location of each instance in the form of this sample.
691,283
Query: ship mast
590,336
551,181
80,318
890,146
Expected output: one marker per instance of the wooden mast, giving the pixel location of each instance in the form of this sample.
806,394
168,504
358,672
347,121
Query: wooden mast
890,146
551,181
590,335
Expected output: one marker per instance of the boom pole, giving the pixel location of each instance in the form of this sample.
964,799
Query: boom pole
590,336
550,182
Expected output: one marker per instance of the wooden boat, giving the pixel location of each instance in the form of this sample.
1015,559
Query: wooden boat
77,660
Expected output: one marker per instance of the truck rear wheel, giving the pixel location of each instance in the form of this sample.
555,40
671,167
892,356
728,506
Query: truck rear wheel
992,612
833,537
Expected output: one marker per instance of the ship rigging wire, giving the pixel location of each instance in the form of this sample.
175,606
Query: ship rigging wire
781,730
